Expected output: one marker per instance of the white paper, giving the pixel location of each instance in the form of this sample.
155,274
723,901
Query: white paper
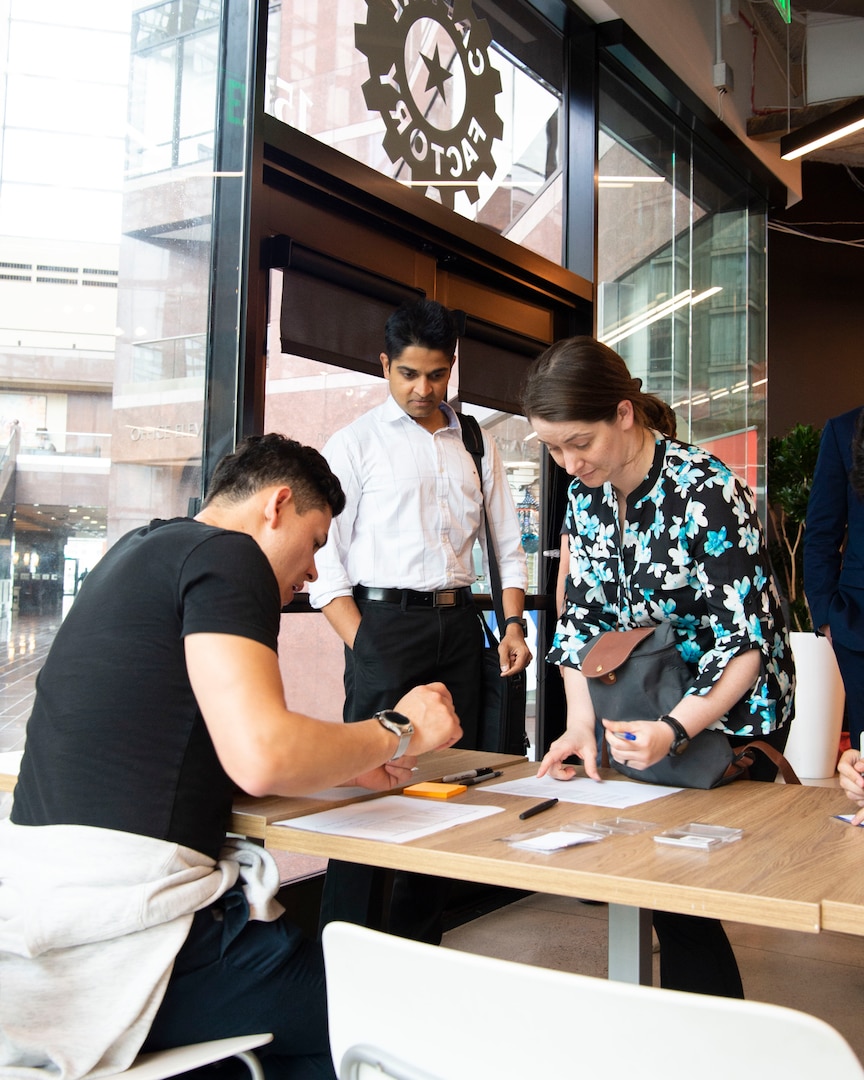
394,818
613,793
554,841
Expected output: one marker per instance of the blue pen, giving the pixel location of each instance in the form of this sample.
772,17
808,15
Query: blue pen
628,735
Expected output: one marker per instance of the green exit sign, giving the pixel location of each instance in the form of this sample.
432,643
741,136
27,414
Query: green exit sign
785,9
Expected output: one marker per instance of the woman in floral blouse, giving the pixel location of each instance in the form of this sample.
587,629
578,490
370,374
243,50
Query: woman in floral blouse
658,531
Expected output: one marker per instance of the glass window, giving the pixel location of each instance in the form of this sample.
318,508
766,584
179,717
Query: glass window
464,108
105,271
681,277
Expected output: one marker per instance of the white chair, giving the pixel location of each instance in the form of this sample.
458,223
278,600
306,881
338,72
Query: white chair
164,1063
439,1014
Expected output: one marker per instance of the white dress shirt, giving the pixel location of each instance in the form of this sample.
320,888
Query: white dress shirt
414,509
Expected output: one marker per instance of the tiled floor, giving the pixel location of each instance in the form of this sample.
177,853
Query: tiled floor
822,974
26,648
24,654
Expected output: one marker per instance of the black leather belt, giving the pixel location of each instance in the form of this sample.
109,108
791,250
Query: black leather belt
412,598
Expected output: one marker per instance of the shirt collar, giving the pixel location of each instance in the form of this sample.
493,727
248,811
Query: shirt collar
393,412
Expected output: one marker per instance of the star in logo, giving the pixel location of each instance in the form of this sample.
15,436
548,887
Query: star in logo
438,75
453,157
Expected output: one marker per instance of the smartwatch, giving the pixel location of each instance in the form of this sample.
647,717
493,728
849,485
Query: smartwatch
517,619
400,725
680,740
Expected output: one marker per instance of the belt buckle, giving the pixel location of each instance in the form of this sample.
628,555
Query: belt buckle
445,598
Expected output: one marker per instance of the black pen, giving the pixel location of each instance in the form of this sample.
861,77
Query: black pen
469,774
538,809
470,780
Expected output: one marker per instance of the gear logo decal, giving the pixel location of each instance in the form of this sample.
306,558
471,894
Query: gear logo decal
432,83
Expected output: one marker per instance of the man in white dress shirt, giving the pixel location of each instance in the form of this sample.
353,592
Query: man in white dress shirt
395,578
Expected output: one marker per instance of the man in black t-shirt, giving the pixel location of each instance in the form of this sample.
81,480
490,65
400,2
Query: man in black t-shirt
161,694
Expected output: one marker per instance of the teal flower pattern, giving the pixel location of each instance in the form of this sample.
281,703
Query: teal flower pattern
690,552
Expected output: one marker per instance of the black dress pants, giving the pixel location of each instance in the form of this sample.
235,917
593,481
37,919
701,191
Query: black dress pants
234,976
397,648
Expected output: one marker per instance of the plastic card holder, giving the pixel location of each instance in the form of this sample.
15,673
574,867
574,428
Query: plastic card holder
620,826
702,837
681,838
546,841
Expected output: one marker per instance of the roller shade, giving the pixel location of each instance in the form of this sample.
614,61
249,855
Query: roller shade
493,363
332,311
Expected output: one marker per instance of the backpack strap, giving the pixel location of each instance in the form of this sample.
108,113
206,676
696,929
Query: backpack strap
472,437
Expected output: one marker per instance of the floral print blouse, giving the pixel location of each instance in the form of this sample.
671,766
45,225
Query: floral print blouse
692,553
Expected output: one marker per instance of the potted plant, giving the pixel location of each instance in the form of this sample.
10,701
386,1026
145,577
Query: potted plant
819,696
791,464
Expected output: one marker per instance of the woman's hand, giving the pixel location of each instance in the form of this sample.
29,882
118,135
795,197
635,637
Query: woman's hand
851,769
577,741
638,743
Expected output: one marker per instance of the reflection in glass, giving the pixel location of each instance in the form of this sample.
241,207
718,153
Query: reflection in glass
105,274
681,277
473,127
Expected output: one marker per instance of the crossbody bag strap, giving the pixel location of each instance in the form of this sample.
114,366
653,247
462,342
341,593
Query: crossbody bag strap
744,757
472,437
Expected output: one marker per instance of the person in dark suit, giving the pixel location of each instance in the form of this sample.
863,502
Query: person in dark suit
834,555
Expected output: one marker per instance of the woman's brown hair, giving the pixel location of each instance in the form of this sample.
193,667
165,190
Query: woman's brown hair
581,379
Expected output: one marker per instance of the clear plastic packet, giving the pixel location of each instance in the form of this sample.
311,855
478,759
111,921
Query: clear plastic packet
621,826
545,841
702,837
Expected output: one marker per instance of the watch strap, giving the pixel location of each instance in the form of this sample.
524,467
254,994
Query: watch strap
398,724
680,735
517,619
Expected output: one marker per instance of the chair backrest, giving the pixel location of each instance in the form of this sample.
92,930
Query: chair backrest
450,1015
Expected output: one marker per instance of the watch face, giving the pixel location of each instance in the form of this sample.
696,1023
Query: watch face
394,717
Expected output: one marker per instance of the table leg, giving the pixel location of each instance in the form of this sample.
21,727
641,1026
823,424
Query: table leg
630,944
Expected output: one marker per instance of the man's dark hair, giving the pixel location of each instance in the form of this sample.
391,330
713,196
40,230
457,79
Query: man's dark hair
262,460
424,323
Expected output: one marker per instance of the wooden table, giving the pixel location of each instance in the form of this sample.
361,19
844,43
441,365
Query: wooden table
252,815
843,903
796,868
794,854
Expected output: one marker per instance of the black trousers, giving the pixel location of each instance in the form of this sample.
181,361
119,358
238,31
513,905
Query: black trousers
695,953
397,648
236,977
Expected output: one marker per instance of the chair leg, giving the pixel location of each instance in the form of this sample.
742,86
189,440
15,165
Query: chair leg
252,1064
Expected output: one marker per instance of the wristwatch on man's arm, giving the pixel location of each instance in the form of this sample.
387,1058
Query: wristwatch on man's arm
400,725
517,619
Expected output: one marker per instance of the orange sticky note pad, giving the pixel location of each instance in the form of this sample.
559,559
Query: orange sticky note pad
434,791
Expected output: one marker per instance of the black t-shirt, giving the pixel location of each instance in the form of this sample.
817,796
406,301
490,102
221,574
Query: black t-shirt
116,739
